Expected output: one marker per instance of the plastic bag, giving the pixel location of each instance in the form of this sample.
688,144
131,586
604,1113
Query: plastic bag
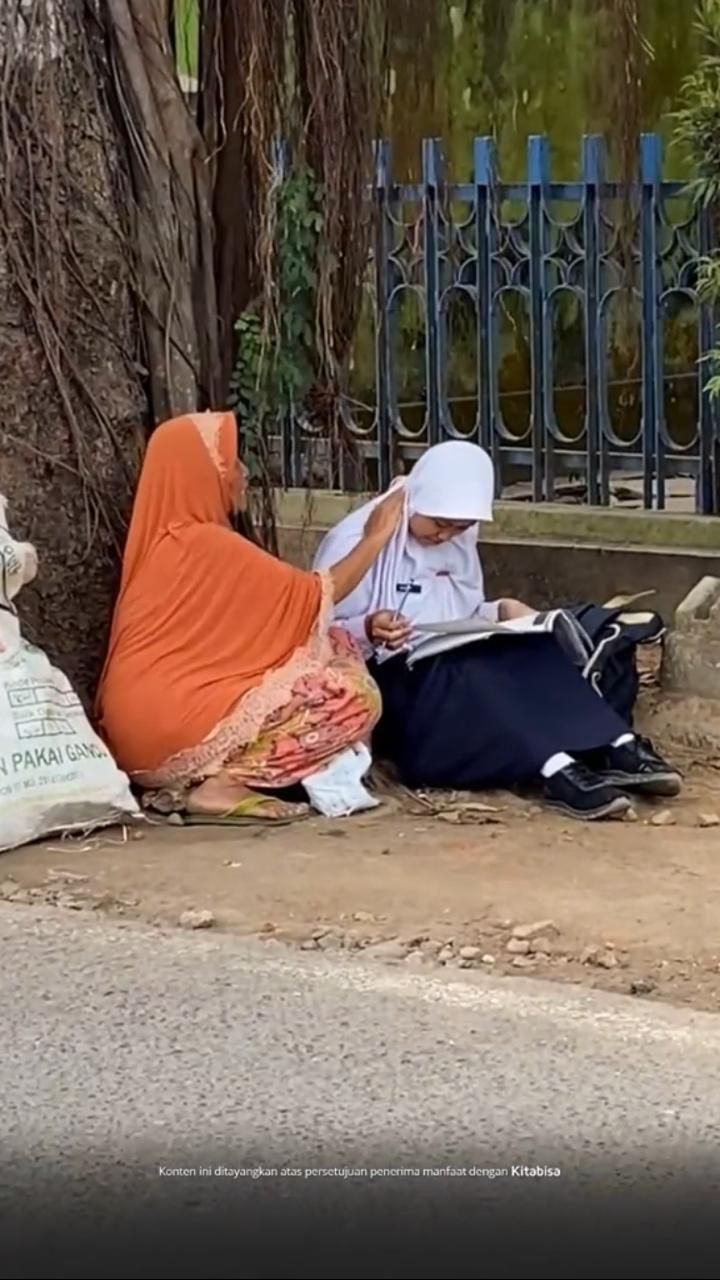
337,790
55,773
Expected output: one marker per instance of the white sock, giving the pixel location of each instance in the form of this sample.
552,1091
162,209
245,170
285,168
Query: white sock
623,740
561,760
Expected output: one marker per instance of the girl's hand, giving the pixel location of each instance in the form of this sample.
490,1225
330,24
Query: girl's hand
385,517
511,609
386,628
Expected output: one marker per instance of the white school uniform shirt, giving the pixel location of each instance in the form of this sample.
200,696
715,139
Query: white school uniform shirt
438,583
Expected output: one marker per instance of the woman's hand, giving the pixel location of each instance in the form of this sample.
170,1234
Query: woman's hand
379,529
386,628
385,517
508,610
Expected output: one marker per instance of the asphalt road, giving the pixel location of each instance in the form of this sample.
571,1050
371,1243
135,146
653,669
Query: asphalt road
350,1120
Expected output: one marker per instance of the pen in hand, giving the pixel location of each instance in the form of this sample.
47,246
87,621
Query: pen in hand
407,592
394,618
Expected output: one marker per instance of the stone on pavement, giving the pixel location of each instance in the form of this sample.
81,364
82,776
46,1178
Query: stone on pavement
691,661
195,918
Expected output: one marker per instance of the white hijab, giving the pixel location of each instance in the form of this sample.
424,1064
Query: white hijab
451,481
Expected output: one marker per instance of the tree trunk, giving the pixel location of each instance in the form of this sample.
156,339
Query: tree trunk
171,209
223,96
108,319
73,399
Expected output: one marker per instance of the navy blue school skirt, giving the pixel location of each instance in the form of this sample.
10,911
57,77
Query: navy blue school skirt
488,714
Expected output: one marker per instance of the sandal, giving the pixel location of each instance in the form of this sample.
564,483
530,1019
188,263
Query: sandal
249,813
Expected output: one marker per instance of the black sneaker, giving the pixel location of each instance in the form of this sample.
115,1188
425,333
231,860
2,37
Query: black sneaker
580,793
636,766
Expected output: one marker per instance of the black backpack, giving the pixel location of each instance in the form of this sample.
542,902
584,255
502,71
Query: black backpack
615,634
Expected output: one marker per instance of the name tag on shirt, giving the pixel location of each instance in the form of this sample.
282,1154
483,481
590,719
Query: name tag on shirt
408,588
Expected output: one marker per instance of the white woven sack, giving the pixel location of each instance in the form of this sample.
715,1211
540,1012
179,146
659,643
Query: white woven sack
56,774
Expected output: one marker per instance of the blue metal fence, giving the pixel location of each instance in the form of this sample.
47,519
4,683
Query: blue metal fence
556,323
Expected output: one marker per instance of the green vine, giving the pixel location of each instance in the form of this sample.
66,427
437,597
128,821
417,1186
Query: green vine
697,132
275,362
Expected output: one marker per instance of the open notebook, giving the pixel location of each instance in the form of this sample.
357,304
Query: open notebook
442,637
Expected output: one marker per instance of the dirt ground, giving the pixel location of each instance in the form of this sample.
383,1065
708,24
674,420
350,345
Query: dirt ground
627,906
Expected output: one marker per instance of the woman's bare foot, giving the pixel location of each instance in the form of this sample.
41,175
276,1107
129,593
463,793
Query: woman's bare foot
220,796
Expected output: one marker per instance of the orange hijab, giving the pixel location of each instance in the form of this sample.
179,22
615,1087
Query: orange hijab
202,614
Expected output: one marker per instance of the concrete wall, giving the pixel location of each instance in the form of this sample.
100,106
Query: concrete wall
551,555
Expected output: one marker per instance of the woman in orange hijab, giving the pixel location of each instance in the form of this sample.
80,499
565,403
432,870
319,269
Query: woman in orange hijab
223,673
